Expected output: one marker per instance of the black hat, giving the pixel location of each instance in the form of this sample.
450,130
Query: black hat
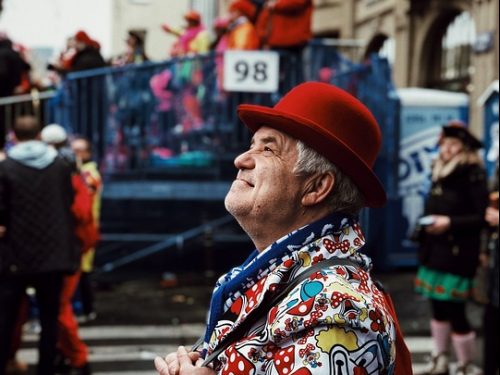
457,129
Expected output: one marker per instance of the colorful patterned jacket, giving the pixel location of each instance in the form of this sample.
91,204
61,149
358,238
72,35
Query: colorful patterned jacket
336,322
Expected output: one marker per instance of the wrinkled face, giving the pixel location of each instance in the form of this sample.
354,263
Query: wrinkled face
449,148
266,191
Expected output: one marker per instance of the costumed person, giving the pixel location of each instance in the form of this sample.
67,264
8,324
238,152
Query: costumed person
450,244
241,32
88,55
92,177
219,43
240,35
135,50
193,39
304,302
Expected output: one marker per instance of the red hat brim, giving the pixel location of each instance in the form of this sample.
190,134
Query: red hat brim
323,142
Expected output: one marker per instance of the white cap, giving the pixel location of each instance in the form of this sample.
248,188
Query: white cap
54,134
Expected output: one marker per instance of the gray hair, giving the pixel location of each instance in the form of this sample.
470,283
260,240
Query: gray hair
345,196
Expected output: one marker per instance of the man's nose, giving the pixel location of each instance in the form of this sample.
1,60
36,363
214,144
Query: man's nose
244,161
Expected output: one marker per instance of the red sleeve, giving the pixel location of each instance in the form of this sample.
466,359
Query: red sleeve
82,204
286,6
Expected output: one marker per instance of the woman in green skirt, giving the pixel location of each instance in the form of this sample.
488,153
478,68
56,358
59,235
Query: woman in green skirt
449,244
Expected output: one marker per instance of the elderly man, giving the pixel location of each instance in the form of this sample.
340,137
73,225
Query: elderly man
298,191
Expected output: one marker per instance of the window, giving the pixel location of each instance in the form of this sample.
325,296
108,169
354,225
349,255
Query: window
455,65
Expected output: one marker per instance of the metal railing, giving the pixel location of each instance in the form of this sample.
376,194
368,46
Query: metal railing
38,104
173,116
169,241
156,116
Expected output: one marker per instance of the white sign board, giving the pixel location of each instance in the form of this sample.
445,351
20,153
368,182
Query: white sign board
251,71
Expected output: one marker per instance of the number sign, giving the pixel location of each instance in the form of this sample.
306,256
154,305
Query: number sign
251,71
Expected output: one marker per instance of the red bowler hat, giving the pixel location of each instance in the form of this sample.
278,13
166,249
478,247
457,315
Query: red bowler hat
332,122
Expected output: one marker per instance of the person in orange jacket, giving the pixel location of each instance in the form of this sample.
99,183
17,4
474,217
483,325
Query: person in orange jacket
242,34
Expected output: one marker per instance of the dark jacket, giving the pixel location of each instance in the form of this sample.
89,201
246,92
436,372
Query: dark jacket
35,206
12,68
463,196
88,58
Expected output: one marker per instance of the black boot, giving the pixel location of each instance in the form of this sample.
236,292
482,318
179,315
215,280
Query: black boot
84,370
62,365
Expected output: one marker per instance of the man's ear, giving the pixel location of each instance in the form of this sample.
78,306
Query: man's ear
317,188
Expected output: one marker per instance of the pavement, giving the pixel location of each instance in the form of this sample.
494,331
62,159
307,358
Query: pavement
186,298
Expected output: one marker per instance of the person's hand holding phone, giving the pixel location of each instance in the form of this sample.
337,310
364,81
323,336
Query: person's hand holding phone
436,224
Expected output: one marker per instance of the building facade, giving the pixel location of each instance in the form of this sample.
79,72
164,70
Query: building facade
147,16
443,44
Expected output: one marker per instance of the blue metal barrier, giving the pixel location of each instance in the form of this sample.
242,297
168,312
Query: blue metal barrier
172,117
138,125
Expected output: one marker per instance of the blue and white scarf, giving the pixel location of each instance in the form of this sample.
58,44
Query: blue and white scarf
259,264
